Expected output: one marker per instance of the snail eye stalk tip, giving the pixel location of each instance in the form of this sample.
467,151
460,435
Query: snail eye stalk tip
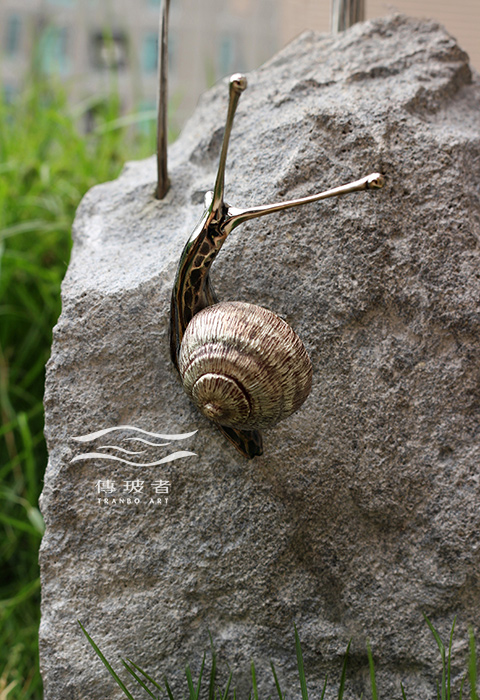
238,82
375,181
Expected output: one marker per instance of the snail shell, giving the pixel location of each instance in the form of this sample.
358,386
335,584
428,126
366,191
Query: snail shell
243,366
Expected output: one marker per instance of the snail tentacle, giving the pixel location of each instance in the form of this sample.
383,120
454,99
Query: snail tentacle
236,216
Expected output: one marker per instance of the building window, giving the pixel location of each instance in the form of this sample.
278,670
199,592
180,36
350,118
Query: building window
12,39
109,50
150,53
226,54
54,50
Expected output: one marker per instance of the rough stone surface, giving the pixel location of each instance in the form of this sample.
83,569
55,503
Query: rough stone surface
364,511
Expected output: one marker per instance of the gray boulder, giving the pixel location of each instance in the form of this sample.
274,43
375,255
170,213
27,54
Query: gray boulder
363,513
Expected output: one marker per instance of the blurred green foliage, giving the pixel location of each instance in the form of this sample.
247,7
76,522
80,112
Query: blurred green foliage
46,165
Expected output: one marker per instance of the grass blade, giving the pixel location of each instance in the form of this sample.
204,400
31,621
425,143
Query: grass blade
200,677
149,678
450,659
106,664
404,697
324,687
472,668
301,671
139,680
19,525
27,439
440,693
344,673
254,681
373,682
227,687
191,689
277,684
168,689
436,636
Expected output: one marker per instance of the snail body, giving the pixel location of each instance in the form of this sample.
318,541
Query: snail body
243,366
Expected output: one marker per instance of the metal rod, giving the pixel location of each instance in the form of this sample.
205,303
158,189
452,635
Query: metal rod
163,183
238,83
235,216
345,13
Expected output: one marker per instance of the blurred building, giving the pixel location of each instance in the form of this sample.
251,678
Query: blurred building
96,46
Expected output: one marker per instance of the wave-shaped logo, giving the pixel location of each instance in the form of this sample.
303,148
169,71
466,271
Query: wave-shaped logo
139,437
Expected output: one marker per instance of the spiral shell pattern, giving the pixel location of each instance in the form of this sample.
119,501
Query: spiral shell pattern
243,366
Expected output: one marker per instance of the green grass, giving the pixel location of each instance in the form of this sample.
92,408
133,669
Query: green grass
46,166
215,692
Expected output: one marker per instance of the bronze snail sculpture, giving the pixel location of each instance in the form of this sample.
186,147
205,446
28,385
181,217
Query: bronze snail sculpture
241,364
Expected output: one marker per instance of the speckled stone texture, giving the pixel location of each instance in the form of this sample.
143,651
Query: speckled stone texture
364,510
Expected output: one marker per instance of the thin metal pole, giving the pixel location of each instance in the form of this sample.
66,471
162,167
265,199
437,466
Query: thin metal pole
345,13
163,183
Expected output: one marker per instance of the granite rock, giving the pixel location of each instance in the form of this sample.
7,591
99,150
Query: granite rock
363,512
